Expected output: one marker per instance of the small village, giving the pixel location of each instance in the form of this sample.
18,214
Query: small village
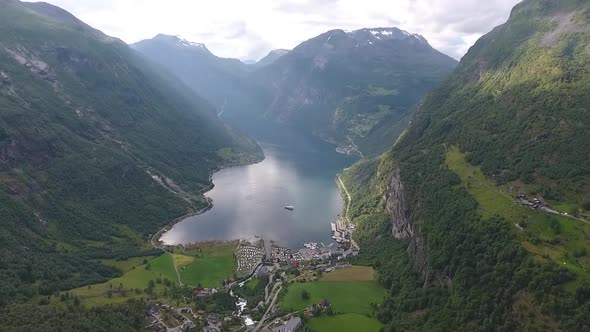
249,256
537,203
255,262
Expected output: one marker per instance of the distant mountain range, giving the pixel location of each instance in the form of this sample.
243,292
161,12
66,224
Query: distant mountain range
357,86
271,57
354,88
217,79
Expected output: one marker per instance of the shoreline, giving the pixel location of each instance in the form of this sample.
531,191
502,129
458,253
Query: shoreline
344,191
155,239
345,196
341,148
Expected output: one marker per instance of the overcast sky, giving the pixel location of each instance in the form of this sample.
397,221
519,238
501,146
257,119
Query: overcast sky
248,29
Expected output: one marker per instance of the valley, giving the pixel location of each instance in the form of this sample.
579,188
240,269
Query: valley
361,180
360,104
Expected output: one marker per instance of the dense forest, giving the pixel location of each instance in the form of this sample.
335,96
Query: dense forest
517,109
74,317
98,150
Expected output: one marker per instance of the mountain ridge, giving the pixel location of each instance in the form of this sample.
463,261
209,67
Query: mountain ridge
361,85
354,89
449,201
96,146
271,57
216,79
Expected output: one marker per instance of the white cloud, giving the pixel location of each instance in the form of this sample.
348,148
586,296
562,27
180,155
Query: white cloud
249,29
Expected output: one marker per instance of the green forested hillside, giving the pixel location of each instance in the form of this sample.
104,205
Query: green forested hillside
353,88
97,150
512,120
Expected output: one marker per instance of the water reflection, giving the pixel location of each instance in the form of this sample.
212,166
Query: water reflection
250,200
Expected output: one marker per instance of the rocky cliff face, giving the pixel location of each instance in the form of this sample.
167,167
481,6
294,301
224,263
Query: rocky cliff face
395,202
405,226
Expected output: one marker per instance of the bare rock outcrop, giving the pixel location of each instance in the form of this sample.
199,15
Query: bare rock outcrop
406,227
565,23
395,202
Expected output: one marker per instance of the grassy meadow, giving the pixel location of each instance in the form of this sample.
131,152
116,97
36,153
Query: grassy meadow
136,275
350,290
355,273
548,236
345,323
209,265
205,265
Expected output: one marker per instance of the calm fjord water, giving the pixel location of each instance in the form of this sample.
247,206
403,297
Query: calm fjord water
250,200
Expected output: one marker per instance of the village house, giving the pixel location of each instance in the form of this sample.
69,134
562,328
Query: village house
213,319
290,326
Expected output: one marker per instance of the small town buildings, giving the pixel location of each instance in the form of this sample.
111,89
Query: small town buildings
187,326
153,309
204,292
212,319
290,326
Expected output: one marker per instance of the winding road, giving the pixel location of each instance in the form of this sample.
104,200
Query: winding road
349,198
272,304
355,147
176,269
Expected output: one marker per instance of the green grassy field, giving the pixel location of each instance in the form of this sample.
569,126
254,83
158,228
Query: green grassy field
345,323
210,266
136,277
548,236
205,265
355,273
345,296
183,260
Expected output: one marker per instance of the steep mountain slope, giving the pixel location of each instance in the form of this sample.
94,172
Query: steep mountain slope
355,89
270,58
221,81
97,150
357,85
445,213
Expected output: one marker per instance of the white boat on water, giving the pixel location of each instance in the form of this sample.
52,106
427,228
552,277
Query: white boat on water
290,207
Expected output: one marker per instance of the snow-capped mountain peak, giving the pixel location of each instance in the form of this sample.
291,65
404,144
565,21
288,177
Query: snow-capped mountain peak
179,41
373,34
186,43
